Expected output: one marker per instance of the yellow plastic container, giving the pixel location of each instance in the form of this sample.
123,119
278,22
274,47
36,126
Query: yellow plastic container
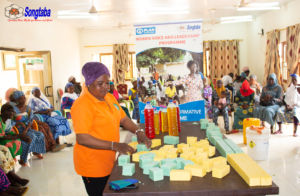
156,122
247,123
172,119
164,121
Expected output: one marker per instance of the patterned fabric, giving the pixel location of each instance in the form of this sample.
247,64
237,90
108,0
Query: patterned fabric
37,138
224,58
272,64
122,88
120,62
135,113
4,182
287,116
18,94
67,103
49,141
208,96
293,50
7,163
216,111
192,86
14,146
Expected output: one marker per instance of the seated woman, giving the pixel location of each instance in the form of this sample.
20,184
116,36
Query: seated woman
77,86
270,101
68,98
133,95
8,96
290,112
171,93
216,94
256,87
245,101
118,97
151,94
207,98
23,119
41,105
142,91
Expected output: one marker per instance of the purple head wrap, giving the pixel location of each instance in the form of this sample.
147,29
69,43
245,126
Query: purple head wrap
93,70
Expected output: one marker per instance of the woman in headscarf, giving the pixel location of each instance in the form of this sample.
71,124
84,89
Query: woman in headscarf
270,101
97,117
243,77
133,95
216,95
68,98
207,97
77,87
290,112
246,71
245,100
23,119
256,87
39,104
192,82
9,96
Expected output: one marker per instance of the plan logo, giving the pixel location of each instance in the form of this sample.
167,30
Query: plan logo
14,12
145,30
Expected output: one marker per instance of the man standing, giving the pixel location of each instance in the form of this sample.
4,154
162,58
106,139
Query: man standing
160,94
155,74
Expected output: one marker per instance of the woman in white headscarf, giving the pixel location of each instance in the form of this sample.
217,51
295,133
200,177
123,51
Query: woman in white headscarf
290,112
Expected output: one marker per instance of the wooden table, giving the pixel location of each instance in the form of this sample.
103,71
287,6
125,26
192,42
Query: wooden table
230,185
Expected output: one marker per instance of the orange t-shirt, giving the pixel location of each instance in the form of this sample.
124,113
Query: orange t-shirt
155,75
94,117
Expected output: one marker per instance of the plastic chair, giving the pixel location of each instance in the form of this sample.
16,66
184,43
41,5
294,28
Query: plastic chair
38,117
60,92
58,112
65,114
35,125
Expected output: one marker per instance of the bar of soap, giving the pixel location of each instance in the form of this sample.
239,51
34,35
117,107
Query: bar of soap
203,125
136,156
180,175
156,174
204,142
143,161
211,151
223,148
217,129
197,159
211,125
156,143
178,162
167,167
168,147
171,155
185,149
142,147
214,133
128,169
133,145
150,165
154,151
172,151
204,120
123,159
186,162
171,140
150,154
167,160
182,145
134,139
220,171
196,170
219,160
208,165
201,149
159,158
214,139
191,140
187,155
233,146
204,155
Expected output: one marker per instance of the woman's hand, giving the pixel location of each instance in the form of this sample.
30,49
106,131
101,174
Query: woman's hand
288,107
18,124
142,138
123,148
27,128
25,138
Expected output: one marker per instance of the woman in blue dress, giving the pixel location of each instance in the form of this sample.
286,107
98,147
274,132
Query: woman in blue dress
22,120
133,95
68,98
39,104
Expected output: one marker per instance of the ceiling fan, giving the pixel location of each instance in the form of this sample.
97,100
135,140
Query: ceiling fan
207,31
212,22
243,6
120,25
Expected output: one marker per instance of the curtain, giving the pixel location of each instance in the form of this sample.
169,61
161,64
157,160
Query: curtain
272,64
223,58
293,49
121,62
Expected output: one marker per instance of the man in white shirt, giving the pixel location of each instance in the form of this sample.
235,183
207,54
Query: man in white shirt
160,94
227,82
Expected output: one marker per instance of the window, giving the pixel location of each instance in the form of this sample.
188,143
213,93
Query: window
207,61
132,67
283,63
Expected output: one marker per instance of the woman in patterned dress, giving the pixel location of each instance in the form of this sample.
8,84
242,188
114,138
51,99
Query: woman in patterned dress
193,83
207,94
133,95
245,101
39,104
290,112
68,98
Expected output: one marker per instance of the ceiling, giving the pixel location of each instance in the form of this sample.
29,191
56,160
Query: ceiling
134,11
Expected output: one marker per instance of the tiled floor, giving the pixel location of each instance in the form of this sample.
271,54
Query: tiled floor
55,174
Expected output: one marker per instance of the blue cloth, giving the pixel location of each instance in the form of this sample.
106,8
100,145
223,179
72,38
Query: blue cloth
138,80
271,87
69,85
119,184
135,112
18,94
201,74
110,83
4,182
243,75
34,88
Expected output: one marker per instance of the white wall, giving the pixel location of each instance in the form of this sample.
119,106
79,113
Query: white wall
288,15
60,39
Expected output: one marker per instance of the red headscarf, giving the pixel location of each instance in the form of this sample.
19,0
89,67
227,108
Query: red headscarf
246,86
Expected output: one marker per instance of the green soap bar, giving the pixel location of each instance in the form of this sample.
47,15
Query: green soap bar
214,133
186,162
156,174
150,165
211,125
142,147
217,129
123,159
134,139
128,169
203,125
213,139
233,146
204,121
149,154
178,162
143,161
223,148
167,160
168,167
209,129
173,140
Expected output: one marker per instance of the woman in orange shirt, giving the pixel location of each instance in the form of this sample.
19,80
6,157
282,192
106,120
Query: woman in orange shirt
96,117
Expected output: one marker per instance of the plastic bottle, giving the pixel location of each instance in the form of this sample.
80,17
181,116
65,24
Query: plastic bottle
149,121
156,121
160,118
164,120
172,119
178,117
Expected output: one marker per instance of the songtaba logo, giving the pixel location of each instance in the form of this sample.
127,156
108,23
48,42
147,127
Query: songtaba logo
185,28
14,12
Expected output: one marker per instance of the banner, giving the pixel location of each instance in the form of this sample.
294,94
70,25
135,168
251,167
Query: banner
163,51
36,64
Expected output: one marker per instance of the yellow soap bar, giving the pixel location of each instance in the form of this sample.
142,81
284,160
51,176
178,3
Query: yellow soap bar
154,151
182,145
186,155
159,158
172,151
204,142
196,170
199,150
168,146
136,156
197,159
197,144
155,143
188,149
171,155
208,165
204,155
211,151
133,145
191,140
219,160
180,175
220,171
